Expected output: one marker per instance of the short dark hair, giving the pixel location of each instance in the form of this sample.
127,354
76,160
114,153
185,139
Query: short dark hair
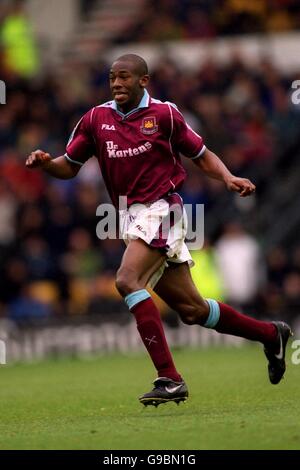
140,64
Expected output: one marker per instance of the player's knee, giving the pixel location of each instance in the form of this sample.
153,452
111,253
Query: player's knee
194,314
126,281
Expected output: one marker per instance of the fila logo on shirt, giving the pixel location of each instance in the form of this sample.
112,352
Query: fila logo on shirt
114,152
107,127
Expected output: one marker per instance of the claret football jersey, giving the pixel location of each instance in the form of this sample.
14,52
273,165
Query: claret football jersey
140,152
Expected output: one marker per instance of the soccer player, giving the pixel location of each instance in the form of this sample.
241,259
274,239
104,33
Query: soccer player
139,142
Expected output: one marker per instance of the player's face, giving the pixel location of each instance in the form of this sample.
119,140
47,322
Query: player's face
126,85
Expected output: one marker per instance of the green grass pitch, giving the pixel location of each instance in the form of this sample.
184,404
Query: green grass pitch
92,404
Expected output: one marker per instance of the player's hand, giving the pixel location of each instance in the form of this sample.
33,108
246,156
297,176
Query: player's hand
243,186
38,159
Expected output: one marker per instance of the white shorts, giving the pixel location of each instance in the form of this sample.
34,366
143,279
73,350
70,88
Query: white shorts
161,224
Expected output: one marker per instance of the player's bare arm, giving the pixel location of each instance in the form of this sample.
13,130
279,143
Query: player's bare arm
58,167
212,166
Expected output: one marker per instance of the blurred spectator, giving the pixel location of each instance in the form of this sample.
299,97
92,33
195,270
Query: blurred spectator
238,258
291,290
278,266
16,38
198,25
206,273
296,259
8,208
35,253
14,277
25,307
82,259
112,251
86,6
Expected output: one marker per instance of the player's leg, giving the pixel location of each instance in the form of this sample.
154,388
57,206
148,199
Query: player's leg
138,264
178,290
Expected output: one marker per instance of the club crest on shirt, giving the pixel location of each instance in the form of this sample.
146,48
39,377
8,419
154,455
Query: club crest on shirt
149,125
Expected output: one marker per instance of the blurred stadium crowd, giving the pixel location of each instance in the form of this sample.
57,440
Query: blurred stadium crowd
52,263
194,19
